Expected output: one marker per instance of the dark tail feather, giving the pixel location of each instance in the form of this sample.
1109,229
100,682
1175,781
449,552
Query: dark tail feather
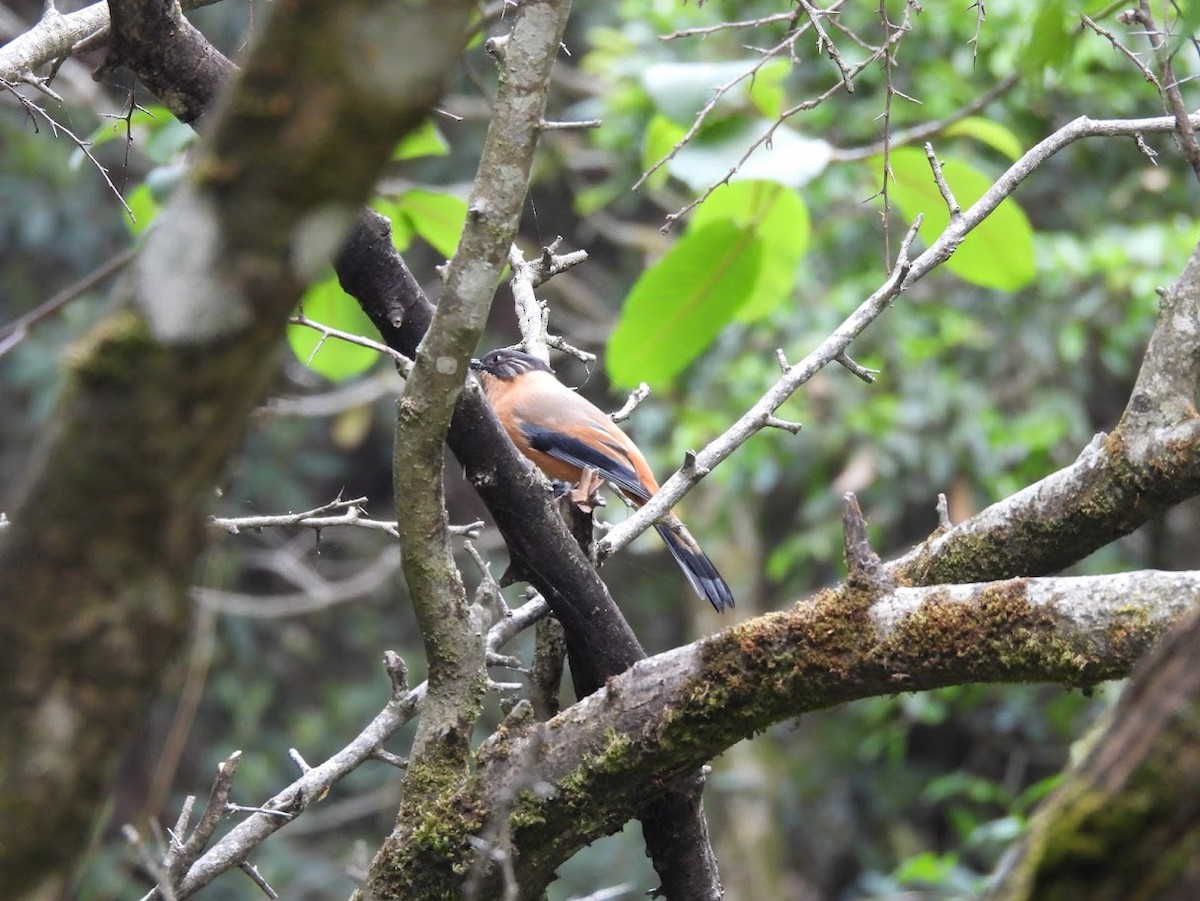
700,571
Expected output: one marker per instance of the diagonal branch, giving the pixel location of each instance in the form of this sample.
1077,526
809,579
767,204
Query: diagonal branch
1150,462
450,630
903,276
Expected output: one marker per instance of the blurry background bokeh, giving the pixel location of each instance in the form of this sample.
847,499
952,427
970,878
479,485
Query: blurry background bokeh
980,392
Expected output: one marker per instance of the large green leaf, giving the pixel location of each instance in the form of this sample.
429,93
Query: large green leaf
682,302
778,217
436,216
998,253
325,302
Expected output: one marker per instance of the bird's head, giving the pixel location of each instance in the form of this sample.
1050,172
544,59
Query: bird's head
508,364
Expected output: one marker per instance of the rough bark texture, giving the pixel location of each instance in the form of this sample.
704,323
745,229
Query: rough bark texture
660,720
543,550
94,569
1149,463
172,59
1126,822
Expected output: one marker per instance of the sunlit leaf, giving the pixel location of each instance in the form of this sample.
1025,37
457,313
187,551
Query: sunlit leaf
989,132
998,253
778,217
325,302
682,302
424,140
436,216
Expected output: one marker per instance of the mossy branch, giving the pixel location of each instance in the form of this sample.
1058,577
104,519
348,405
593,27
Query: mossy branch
604,756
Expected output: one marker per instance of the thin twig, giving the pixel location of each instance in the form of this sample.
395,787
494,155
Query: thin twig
15,332
706,30
939,179
403,363
1172,97
636,396
903,276
1121,48
926,130
34,111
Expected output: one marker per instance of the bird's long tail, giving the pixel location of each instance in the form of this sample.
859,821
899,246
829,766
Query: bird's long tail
700,571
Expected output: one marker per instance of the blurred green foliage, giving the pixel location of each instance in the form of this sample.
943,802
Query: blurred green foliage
992,372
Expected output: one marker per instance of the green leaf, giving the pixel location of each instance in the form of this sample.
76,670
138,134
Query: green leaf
766,89
1050,42
998,253
661,135
989,132
144,207
325,302
437,217
682,302
788,157
424,140
779,218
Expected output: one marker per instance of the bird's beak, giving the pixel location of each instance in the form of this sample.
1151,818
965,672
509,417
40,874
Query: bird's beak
476,365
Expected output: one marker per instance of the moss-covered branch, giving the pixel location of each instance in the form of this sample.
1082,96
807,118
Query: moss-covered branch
607,754
1149,463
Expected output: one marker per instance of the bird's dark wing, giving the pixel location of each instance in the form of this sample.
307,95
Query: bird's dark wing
606,457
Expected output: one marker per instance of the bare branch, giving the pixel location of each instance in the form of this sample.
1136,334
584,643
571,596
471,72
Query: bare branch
35,112
1173,100
1121,48
636,396
403,363
940,180
318,594
451,630
904,275
316,782
533,316
757,416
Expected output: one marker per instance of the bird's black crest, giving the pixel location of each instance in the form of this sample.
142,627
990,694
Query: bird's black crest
508,364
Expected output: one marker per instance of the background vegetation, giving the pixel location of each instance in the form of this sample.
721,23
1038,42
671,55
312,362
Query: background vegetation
991,375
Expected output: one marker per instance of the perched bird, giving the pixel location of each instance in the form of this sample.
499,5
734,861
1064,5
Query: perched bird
564,434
